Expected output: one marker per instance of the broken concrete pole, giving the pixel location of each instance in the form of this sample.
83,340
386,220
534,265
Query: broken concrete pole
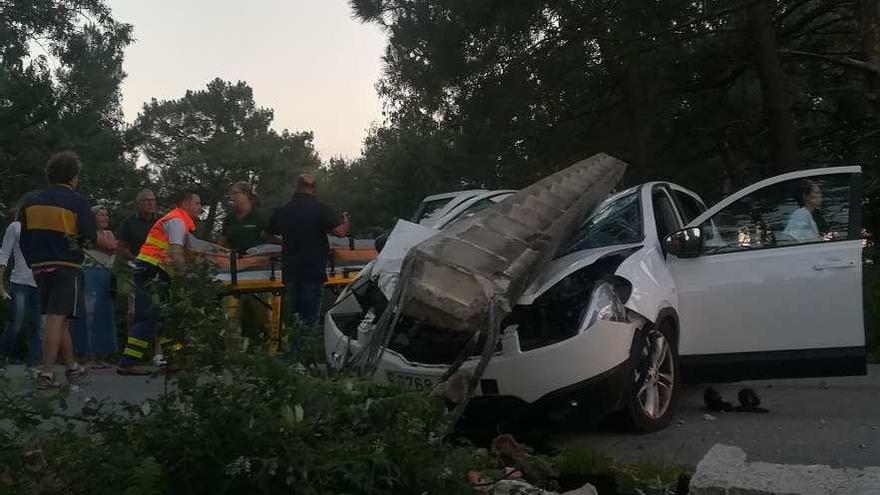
449,279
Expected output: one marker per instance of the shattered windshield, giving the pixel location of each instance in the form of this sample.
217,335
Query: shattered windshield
617,222
429,209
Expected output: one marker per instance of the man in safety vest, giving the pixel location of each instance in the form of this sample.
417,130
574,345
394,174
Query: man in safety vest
160,255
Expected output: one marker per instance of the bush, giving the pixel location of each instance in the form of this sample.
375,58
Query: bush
637,479
256,428
243,423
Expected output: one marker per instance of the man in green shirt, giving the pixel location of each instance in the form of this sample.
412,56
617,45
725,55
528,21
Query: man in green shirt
243,226
243,229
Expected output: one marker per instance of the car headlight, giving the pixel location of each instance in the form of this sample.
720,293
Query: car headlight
604,305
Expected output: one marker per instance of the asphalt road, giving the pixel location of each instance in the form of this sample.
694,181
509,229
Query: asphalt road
834,421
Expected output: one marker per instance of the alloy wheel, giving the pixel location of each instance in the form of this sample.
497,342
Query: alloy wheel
655,377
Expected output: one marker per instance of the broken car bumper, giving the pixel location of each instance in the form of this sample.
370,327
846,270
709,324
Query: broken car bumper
527,376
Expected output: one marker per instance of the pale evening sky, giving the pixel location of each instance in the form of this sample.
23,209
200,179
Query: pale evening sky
309,60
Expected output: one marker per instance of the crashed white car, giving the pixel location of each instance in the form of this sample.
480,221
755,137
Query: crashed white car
441,210
654,288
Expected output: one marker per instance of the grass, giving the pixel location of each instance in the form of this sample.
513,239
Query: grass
581,460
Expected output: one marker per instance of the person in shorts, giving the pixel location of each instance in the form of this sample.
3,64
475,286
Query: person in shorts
56,224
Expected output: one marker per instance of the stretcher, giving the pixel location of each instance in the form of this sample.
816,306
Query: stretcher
258,272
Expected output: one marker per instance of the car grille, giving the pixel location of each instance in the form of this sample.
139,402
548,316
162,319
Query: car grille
428,345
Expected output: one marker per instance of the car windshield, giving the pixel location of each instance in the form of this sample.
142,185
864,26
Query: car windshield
617,222
429,209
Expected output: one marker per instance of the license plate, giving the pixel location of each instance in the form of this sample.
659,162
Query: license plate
411,381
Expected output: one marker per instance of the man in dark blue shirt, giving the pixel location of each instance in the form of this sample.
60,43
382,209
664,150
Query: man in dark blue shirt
55,226
303,224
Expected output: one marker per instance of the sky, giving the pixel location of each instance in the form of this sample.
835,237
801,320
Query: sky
309,60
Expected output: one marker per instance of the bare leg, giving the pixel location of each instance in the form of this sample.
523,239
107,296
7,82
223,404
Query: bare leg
67,345
56,329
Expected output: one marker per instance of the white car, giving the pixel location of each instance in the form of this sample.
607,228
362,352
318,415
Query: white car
440,210
654,288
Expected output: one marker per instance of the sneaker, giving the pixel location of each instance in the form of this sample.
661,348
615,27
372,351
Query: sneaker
47,381
31,371
134,370
159,360
76,375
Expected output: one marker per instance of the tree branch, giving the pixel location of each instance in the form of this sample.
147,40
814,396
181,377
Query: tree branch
842,61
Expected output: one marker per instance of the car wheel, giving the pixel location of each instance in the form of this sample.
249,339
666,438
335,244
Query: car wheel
651,399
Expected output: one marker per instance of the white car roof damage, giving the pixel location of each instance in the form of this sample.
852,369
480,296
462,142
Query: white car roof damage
453,279
641,264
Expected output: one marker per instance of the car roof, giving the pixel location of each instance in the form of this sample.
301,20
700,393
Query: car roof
450,195
443,214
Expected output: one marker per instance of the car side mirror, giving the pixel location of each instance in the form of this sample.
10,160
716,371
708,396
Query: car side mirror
686,243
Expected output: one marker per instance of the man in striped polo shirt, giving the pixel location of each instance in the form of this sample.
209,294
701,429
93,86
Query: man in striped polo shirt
56,224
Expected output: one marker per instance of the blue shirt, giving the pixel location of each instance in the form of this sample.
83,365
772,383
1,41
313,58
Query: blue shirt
55,225
303,224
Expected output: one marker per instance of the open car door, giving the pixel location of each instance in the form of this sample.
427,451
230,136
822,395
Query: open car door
775,289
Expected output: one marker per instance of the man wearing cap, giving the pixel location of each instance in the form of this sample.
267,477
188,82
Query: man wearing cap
303,224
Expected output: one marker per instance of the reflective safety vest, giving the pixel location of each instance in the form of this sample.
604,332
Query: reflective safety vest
155,248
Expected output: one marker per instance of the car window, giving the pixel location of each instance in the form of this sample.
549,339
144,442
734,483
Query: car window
472,210
429,208
690,206
795,212
664,214
617,222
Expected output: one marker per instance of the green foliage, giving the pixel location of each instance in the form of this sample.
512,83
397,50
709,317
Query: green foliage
579,458
255,428
146,479
498,93
210,138
193,321
60,71
635,478
245,423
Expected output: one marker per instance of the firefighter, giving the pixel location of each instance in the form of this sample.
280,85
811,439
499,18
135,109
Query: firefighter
161,254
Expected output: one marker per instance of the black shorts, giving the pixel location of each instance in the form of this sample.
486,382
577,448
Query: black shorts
61,291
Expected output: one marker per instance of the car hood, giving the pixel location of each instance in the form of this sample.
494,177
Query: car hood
565,266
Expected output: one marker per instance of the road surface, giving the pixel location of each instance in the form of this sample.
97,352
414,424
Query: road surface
834,421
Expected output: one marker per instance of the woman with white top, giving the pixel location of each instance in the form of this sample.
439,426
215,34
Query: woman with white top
801,225
24,297
94,335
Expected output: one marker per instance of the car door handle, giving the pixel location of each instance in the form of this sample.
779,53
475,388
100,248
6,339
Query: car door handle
831,265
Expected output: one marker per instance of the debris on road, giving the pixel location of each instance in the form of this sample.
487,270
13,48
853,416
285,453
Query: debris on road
709,417
724,470
518,487
747,397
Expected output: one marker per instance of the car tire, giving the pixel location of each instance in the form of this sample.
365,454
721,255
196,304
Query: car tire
653,379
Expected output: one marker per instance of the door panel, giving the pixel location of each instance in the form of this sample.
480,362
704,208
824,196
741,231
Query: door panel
771,300
778,289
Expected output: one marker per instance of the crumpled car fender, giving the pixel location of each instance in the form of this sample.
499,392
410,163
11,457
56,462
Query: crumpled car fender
653,287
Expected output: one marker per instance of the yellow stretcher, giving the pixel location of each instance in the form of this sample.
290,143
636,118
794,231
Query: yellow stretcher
260,275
